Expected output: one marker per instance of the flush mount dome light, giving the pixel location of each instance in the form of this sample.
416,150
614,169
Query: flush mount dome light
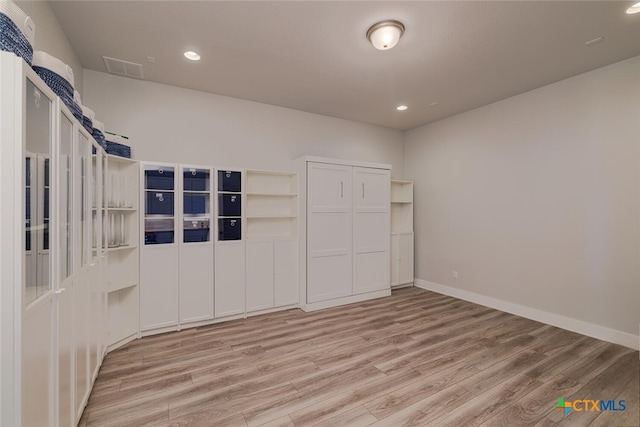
401,107
634,9
193,56
384,35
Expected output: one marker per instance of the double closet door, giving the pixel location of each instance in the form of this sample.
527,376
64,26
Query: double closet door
348,228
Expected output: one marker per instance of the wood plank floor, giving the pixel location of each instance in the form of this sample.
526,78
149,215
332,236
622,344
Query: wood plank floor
416,358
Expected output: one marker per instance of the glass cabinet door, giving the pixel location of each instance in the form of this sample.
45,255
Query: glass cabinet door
96,211
159,205
196,199
66,197
37,175
84,237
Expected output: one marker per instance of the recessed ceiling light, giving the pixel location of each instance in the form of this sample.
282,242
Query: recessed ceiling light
192,55
401,107
433,104
634,9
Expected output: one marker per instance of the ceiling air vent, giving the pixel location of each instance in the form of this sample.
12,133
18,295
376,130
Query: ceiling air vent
123,68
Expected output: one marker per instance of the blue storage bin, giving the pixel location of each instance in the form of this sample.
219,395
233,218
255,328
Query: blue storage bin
196,180
229,229
229,205
159,203
161,179
229,181
158,231
158,237
195,203
196,230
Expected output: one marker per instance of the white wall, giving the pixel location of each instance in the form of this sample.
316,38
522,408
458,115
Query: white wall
171,124
535,201
50,38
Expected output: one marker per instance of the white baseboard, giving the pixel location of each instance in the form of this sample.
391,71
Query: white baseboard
553,319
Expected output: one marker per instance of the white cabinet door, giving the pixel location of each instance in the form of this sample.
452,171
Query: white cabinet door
158,286
260,288
405,267
230,279
371,229
395,260
196,282
286,271
328,232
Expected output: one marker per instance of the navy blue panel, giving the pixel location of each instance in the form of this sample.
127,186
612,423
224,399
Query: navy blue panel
195,203
159,179
159,203
158,237
229,229
196,180
229,181
229,205
196,235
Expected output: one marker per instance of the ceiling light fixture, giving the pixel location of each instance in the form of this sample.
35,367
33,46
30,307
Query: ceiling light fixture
384,35
634,9
193,56
401,107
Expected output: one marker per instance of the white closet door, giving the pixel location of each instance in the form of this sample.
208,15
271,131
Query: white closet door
405,268
259,274
285,271
196,282
229,278
328,231
159,286
371,229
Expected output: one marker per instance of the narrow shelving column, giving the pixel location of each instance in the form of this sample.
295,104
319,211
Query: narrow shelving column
123,272
401,233
272,240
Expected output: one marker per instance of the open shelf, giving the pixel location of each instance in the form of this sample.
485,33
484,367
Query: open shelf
114,287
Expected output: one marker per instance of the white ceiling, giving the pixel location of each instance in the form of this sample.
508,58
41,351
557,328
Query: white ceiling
313,55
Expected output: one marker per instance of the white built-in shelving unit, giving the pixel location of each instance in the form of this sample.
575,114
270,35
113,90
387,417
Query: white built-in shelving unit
271,240
401,233
122,237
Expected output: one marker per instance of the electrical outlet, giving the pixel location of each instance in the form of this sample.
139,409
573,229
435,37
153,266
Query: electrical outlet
454,274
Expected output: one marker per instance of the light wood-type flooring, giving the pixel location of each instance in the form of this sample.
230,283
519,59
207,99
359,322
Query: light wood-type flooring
415,358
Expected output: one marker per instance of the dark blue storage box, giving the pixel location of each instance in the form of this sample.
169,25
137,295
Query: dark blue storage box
158,231
158,237
196,230
159,203
196,180
229,229
195,203
229,181
159,179
229,205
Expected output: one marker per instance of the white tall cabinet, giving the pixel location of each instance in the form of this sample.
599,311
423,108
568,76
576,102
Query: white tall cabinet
401,233
272,242
177,273
346,232
51,254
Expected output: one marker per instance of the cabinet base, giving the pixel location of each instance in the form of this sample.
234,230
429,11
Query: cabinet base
402,285
345,300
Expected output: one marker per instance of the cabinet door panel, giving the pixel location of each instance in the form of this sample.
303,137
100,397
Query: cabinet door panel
196,282
371,189
329,232
158,286
329,187
395,260
260,287
405,268
286,272
372,272
371,230
230,279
